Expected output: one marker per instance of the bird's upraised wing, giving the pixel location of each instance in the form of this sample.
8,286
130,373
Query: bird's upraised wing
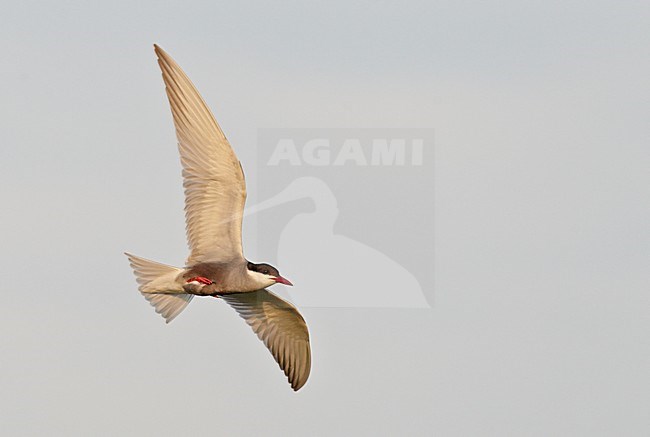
282,329
215,190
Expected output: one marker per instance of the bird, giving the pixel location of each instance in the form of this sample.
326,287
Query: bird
215,195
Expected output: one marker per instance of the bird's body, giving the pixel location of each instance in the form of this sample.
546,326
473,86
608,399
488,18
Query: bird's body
222,278
215,194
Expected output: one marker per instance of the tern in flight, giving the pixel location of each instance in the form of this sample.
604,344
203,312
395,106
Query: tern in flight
215,193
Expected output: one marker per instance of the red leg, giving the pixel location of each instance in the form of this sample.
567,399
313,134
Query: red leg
200,279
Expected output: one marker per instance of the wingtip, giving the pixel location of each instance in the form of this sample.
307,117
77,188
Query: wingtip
163,56
297,385
159,51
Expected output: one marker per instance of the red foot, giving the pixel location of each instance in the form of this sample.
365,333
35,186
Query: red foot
201,279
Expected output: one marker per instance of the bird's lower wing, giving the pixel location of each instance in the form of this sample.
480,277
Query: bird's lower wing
282,329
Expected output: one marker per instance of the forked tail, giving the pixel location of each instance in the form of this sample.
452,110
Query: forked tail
158,284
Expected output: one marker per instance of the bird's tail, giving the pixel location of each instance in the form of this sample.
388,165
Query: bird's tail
159,284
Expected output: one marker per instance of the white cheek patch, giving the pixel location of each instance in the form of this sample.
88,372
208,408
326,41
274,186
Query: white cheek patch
260,279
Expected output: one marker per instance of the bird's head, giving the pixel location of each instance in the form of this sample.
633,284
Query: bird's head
267,274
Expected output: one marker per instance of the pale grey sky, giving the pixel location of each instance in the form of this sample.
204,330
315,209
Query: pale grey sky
539,321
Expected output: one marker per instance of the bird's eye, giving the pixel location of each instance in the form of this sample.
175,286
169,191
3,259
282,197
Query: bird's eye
266,272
